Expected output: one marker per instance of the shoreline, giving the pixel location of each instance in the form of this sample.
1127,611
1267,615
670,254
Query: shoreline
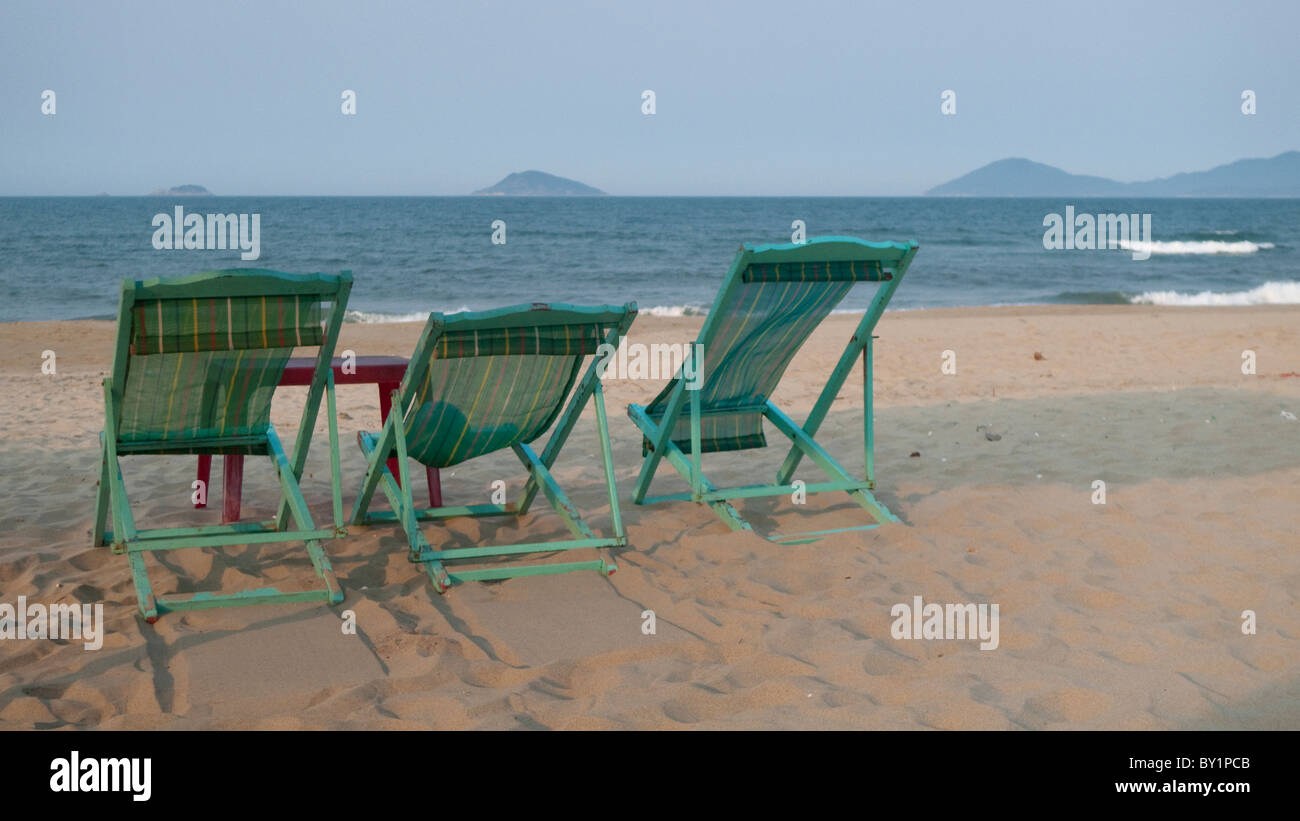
1084,348
956,310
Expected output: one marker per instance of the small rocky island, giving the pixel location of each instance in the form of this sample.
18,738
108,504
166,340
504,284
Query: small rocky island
182,191
539,184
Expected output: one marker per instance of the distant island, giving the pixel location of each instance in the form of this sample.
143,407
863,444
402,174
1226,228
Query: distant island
182,191
1272,177
539,184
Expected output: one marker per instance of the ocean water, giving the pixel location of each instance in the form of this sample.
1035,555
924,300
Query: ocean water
63,258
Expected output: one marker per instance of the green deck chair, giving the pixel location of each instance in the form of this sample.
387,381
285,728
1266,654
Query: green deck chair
480,382
772,299
195,366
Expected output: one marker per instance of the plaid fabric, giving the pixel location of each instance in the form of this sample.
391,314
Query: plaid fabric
170,398
842,271
548,340
766,324
225,324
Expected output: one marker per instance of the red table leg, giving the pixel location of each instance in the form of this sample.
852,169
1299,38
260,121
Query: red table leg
232,470
435,486
431,474
385,405
205,473
299,372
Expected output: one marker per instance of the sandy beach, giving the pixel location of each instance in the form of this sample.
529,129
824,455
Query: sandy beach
1126,614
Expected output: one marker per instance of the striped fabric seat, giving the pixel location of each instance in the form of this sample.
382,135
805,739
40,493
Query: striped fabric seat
774,313
487,389
553,340
203,369
169,398
848,270
772,299
225,324
485,381
195,365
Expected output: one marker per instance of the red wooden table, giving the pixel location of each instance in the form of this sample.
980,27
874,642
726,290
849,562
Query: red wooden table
384,371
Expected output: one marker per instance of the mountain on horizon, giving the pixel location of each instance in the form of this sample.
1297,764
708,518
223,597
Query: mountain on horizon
539,184
1017,177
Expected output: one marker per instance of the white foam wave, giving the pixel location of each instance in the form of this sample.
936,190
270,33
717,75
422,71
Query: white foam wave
673,310
1270,293
379,317
1211,246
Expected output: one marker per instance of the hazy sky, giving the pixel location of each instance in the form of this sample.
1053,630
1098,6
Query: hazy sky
752,98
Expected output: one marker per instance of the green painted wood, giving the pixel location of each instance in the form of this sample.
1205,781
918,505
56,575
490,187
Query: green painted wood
324,356
269,595
586,388
861,339
336,472
184,542
290,492
826,462
123,520
206,530
661,435
868,415
729,515
235,282
560,502
607,458
112,496
885,263
393,438
757,491
434,514
101,497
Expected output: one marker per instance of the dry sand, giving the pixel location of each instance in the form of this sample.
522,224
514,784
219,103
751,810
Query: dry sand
1122,615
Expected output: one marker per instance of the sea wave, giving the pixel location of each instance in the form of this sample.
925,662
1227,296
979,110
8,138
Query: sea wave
379,317
673,310
1270,293
1214,246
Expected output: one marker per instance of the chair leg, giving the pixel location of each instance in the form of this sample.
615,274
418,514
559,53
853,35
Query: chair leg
101,497
324,570
437,575
300,515
144,596
684,466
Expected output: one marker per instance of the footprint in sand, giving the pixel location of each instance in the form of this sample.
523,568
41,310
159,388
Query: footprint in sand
1069,704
